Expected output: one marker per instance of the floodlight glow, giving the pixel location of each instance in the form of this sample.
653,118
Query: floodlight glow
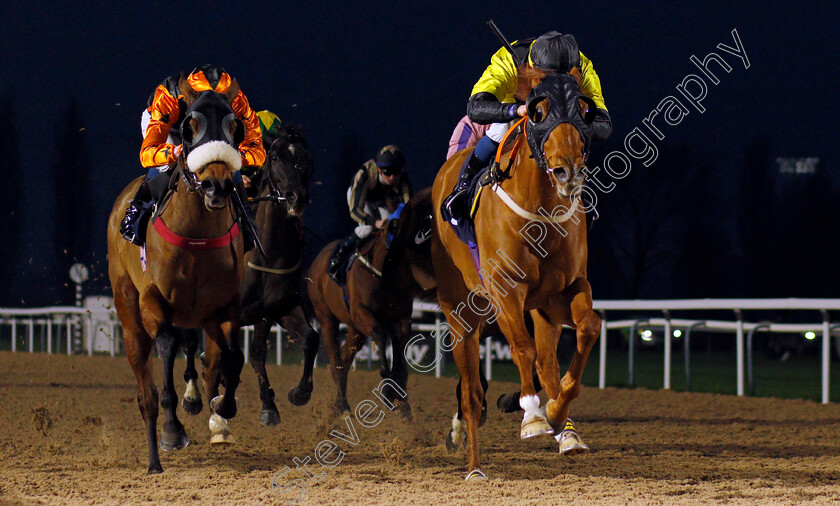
810,335
647,335
677,333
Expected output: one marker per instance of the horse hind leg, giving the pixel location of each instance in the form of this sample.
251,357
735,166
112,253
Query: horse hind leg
191,402
173,436
296,323
269,416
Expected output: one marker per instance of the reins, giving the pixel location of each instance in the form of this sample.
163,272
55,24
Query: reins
499,176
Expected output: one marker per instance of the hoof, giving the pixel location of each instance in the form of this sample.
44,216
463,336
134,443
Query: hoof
476,474
299,396
154,469
451,445
220,431
571,443
342,407
405,410
192,407
269,418
172,441
508,403
222,439
535,426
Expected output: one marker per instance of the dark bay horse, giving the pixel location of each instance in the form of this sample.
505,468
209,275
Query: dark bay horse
381,285
531,236
194,268
272,285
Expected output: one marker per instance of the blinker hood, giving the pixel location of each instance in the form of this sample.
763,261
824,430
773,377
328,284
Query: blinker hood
563,93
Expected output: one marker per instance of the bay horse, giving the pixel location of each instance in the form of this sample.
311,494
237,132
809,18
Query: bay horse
193,273
531,258
378,298
272,285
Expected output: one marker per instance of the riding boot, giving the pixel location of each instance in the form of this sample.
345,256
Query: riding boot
454,207
345,248
133,226
248,237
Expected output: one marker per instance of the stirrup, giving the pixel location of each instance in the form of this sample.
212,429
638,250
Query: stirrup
452,207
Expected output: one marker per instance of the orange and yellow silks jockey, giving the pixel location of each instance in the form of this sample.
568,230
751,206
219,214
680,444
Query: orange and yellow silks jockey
493,101
161,126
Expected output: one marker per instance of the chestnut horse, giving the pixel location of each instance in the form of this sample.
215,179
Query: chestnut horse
195,266
377,301
531,235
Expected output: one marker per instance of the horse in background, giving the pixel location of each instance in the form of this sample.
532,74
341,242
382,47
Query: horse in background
195,266
392,267
515,270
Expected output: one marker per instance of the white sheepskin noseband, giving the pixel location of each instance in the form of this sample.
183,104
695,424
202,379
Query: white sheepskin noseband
214,151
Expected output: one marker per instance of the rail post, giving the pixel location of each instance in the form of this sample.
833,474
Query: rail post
826,354
666,380
739,351
602,352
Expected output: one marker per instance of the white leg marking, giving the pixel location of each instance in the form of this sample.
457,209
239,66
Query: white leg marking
191,393
459,430
531,405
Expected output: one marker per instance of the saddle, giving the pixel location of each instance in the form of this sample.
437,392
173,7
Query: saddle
465,230
343,258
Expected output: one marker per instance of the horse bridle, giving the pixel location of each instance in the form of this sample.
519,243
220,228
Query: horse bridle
274,194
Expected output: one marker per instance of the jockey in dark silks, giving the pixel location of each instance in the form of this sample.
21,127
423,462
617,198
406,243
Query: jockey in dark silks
161,127
378,187
493,102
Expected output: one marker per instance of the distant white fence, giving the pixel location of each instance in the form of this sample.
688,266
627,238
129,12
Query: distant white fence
738,325
97,329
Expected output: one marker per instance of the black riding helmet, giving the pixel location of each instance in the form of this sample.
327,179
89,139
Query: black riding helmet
390,159
555,51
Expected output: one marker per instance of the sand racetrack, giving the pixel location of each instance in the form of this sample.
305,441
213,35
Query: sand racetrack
73,434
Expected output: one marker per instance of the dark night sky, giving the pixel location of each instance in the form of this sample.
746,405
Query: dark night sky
392,72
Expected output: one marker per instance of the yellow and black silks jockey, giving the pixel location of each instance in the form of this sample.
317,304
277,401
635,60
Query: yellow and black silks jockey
379,186
161,126
493,102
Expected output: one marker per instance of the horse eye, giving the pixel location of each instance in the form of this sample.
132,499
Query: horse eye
274,157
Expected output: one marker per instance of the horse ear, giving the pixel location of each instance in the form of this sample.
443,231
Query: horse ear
186,90
232,91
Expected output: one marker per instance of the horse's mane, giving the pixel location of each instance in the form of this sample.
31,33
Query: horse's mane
527,77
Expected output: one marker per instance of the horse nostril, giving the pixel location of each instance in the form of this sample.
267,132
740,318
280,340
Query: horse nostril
562,174
208,187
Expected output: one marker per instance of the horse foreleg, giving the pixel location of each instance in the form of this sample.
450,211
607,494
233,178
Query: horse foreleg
523,352
458,433
352,345
192,396
399,366
588,325
296,323
226,338
173,436
259,348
